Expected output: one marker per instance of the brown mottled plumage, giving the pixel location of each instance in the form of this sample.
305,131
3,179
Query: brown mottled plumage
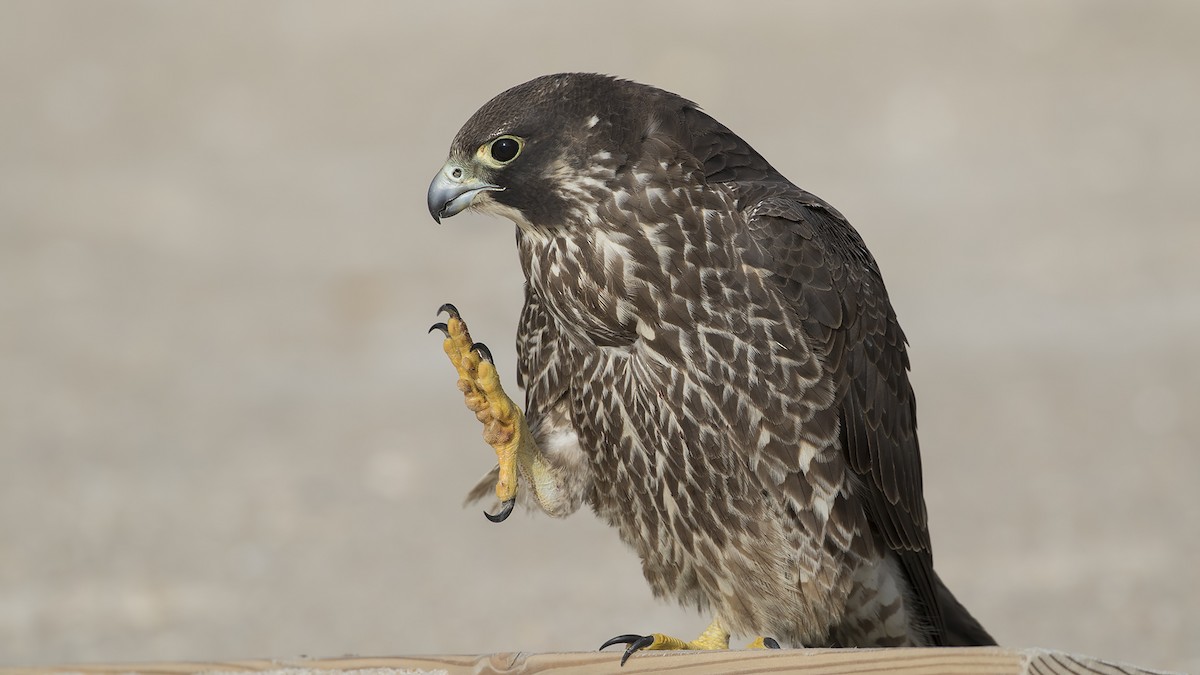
711,360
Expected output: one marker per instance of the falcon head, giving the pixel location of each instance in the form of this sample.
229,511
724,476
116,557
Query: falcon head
532,151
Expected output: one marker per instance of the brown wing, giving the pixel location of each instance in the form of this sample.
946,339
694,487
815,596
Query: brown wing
833,284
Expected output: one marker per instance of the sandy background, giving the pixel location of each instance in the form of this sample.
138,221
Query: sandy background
224,432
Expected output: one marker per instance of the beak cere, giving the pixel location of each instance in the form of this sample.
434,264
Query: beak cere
453,189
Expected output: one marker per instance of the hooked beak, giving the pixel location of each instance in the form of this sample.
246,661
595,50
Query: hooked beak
453,189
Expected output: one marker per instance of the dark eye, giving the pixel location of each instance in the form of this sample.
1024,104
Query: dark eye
505,149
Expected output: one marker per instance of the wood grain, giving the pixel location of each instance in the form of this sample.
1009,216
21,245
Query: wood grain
957,661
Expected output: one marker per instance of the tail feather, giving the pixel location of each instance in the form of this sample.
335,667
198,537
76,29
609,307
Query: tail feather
962,630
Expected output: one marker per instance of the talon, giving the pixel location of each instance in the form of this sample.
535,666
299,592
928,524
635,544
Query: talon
763,642
713,637
505,510
620,640
442,327
636,643
484,352
449,309
642,643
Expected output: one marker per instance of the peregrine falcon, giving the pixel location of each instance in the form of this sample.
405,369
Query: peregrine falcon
710,362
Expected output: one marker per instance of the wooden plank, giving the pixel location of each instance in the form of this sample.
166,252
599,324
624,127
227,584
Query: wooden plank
950,661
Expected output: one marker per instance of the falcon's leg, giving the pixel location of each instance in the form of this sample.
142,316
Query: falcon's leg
504,425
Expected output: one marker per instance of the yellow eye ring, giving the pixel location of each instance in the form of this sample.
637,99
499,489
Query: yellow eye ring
502,150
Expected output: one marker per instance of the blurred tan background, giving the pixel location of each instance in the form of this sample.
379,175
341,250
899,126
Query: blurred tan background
225,433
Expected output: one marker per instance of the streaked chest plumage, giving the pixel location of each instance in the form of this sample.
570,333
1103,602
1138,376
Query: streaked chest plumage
651,288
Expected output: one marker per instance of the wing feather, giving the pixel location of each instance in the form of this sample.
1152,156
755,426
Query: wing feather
833,284
853,327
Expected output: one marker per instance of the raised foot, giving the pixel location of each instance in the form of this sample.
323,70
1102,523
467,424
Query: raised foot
503,423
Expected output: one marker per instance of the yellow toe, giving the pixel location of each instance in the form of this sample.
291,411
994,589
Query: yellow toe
763,642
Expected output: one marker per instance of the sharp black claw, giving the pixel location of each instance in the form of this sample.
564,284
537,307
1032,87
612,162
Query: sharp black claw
635,642
620,640
505,510
646,641
449,309
484,352
770,643
442,327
